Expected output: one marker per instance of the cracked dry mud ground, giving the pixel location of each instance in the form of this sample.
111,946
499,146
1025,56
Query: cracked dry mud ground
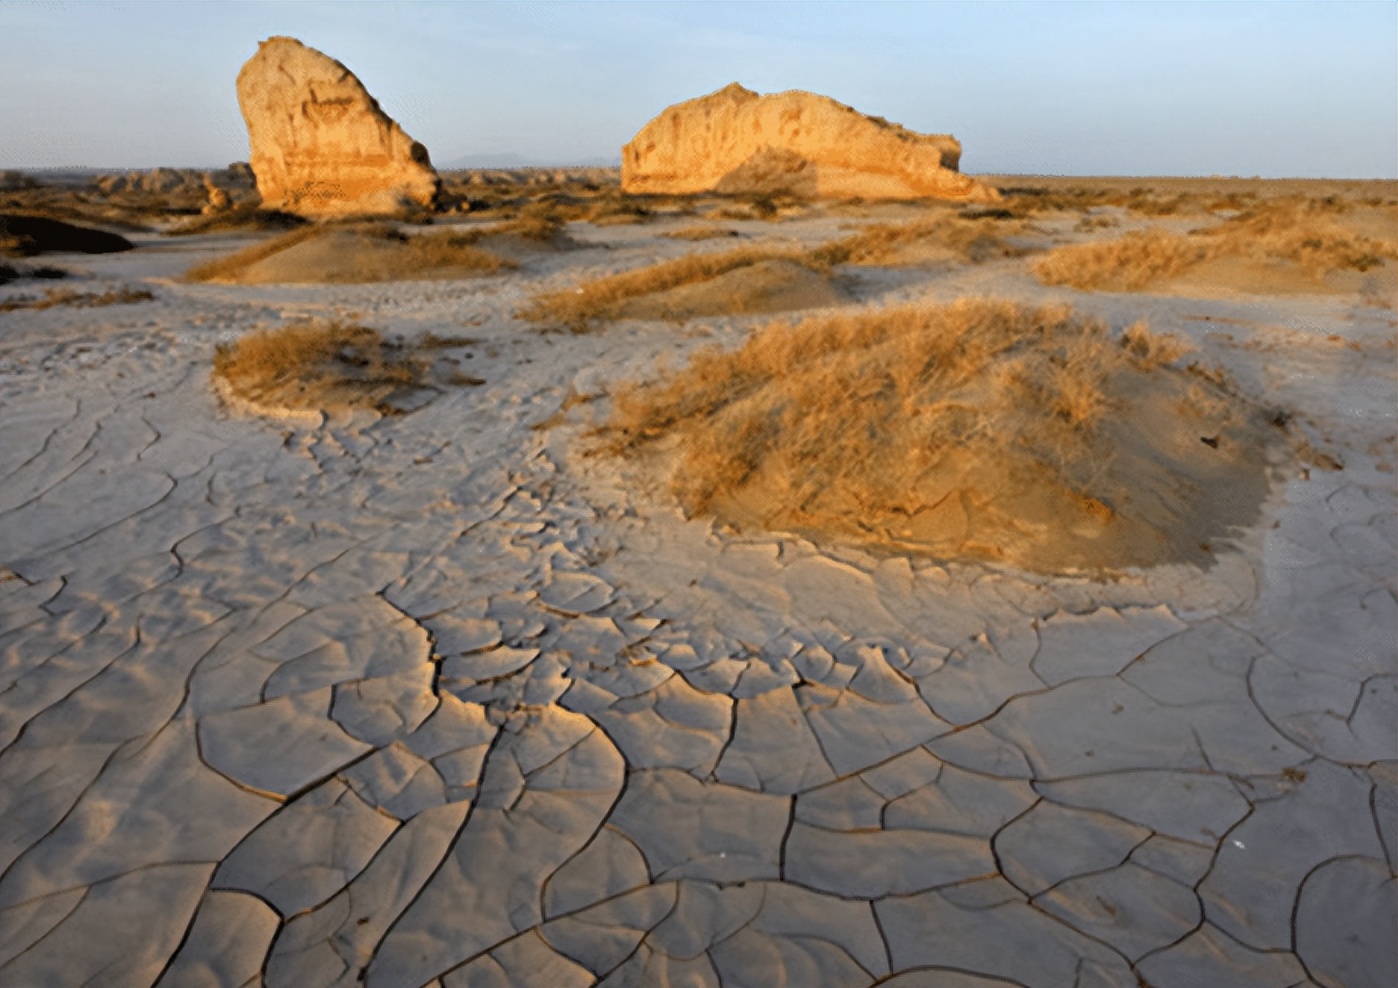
435,699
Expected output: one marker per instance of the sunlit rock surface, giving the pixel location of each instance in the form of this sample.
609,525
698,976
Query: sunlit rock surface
321,146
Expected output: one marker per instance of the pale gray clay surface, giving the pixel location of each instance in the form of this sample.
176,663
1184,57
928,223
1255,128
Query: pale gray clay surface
440,698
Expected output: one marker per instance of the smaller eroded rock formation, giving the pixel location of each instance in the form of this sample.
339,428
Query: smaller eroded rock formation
798,143
321,146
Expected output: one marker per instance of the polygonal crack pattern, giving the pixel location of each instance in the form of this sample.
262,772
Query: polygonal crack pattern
503,727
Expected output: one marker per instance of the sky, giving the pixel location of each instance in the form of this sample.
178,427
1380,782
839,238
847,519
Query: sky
1274,89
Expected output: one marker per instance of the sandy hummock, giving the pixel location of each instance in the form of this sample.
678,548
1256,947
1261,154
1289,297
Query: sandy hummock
981,429
741,281
309,369
355,253
767,286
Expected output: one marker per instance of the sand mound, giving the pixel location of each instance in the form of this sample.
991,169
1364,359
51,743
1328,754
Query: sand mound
981,429
1278,247
934,239
25,235
523,236
795,143
744,280
353,254
767,286
321,146
307,369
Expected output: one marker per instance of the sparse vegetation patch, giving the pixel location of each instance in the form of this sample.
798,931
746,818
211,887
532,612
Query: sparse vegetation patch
364,252
979,429
943,235
604,298
1299,232
68,297
243,216
328,366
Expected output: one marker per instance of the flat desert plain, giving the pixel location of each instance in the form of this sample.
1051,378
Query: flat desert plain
506,629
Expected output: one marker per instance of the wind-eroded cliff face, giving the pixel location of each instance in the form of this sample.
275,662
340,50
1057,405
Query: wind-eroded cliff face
737,141
321,146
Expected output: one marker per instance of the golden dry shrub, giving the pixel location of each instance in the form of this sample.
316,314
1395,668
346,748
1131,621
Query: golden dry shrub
979,429
241,217
1307,232
314,367
1303,236
1126,264
543,228
942,236
353,253
606,297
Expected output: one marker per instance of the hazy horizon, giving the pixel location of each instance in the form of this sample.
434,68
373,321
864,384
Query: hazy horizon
1274,90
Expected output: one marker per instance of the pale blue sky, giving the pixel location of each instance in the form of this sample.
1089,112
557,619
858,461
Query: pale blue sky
1126,88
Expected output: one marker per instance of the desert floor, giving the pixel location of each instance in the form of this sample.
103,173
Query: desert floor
446,697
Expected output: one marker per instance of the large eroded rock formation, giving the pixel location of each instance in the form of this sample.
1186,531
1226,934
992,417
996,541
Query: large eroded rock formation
795,142
320,144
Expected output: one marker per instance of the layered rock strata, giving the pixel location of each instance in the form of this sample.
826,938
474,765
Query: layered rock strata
737,141
321,146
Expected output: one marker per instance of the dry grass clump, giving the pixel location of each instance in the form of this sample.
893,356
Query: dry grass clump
69,297
978,429
1302,232
540,228
942,235
780,277
1029,200
1089,223
1126,264
243,216
354,253
576,308
231,265
315,367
